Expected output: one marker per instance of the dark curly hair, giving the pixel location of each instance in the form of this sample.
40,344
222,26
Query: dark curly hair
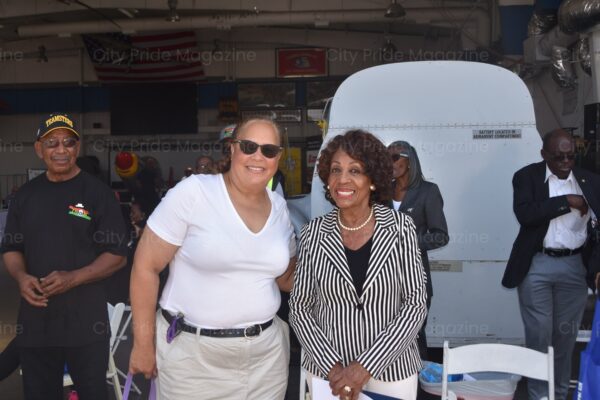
366,148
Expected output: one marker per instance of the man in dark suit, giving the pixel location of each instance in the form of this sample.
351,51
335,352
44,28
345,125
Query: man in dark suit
556,205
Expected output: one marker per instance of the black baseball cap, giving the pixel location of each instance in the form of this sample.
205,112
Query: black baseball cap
56,121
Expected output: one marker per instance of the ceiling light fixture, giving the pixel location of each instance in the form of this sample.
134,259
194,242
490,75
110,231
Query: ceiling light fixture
128,12
216,47
389,49
42,57
395,10
173,16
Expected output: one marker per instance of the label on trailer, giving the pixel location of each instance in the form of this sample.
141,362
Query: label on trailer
496,134
445,266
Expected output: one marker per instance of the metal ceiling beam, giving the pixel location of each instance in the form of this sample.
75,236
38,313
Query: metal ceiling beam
24,8
470,15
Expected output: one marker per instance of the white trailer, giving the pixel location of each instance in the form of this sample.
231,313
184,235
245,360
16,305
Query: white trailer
473,126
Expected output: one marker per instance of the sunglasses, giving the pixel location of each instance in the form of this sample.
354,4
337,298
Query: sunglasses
397,156
52,143
561,157
249,147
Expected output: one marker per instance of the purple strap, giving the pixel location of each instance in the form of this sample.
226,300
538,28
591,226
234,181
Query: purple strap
127,388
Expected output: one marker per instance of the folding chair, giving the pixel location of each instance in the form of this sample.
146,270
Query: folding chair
115,315
121,337
303,395
498,358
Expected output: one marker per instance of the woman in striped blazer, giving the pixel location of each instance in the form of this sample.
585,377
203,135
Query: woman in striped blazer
358,299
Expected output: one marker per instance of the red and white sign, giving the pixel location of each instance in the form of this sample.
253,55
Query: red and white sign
301,62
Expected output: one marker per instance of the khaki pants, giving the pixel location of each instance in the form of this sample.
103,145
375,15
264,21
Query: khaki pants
196,367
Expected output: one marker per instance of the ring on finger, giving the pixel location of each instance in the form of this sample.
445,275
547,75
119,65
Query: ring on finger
347,389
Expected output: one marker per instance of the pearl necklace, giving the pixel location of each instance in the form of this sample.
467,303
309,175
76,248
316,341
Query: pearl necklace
356,228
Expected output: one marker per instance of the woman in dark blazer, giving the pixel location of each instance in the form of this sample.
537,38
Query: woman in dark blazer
423,202
358,299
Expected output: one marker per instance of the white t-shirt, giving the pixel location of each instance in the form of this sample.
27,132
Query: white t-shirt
223,274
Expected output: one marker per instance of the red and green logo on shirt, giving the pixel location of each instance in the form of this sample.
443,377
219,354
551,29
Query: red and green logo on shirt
79,210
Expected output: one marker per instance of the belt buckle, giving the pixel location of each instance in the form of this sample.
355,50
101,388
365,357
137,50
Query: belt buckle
252,326
553,252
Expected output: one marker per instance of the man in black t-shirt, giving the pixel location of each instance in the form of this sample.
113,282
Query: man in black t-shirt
64,234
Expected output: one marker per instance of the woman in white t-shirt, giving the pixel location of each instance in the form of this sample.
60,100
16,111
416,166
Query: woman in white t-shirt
231,248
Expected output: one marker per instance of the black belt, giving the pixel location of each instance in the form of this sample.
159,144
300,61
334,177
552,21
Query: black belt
249,331
561,252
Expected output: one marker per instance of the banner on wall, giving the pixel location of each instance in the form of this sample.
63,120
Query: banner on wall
301,62
161,57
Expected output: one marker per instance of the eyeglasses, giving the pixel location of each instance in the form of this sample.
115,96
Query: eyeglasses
562,156
249,147
52,143
397,156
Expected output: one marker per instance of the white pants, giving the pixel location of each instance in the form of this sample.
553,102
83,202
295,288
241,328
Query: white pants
195,367
405,389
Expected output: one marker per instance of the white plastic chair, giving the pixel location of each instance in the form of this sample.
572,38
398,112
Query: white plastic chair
303,395
498,358
121,337
115,315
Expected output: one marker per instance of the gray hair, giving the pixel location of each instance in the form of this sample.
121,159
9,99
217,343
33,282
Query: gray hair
244,124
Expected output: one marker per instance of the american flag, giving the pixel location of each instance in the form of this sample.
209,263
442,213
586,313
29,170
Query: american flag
145,58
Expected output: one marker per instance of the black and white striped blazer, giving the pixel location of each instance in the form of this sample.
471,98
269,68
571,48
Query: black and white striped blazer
378,329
